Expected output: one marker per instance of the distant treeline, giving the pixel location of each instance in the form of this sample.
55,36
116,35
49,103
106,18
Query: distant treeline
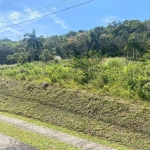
130,38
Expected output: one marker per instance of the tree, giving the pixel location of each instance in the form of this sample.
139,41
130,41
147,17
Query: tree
71,33
103,39
134,45
17,57
10,58
46,55
21,57
81,44
34,44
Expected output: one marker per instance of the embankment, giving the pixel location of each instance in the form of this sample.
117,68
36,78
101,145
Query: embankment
118,120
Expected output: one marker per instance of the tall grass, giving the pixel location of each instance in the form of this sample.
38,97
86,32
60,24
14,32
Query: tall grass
115,76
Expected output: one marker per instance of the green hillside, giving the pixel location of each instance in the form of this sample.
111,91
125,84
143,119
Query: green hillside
130,39
94,81
106,98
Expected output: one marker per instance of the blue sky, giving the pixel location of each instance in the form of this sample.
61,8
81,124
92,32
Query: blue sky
88,16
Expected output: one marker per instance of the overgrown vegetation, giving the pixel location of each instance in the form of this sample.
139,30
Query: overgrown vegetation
113,76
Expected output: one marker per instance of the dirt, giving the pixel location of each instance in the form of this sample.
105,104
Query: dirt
8,143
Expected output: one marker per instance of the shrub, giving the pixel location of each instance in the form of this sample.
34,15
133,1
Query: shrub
115,76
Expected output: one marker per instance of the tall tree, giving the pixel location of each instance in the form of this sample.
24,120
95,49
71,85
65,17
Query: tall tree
34,44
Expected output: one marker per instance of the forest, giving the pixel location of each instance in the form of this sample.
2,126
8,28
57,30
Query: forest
129,39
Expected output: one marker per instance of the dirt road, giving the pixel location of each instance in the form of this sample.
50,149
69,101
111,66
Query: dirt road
63,137
8,143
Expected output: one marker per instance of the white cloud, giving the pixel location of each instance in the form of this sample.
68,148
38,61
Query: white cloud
32,14
108,19
14,14
54,8
59,21
45,11
15,17
10,33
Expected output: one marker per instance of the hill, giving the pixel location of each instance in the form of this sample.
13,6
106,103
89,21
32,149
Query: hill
130,38
65,95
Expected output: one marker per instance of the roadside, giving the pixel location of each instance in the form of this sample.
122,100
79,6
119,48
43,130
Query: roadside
111,121
8,143
63,137
38,141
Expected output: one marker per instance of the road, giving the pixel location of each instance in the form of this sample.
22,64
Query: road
8,143
63,137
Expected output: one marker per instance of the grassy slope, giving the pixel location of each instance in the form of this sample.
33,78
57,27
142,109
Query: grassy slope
121,121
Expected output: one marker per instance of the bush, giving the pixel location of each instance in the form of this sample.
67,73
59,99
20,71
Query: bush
115,76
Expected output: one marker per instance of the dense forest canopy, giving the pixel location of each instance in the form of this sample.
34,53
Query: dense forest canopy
130,38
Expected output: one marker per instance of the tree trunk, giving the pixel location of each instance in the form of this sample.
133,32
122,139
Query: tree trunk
32,53
127,54
133,53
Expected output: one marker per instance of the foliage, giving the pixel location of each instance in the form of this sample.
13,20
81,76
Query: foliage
115,76
46,55
34,44
18,58
130,38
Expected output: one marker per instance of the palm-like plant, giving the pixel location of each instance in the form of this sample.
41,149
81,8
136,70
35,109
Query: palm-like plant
33,43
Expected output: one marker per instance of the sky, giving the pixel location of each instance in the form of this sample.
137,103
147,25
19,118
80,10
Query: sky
78,17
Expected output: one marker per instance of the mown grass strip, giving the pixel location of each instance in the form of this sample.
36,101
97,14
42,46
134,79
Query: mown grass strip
36,140
78,134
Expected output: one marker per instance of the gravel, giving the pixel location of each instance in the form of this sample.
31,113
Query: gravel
63,137
8,143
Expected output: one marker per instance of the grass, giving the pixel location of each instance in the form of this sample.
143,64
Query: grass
122,121
36,140
106,99
71,132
